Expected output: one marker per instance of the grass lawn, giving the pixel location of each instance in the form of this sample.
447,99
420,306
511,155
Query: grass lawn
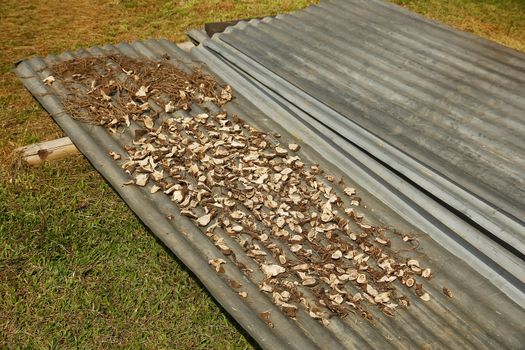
77,268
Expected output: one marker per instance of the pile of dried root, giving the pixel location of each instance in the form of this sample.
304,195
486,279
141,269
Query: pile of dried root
109,90
292,229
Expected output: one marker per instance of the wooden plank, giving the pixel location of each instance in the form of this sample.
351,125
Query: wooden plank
38,153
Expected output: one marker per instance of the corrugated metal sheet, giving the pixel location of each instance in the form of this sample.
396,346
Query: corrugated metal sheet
444,108
479,316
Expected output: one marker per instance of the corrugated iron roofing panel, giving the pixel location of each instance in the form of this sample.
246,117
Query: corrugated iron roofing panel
442,107
479,316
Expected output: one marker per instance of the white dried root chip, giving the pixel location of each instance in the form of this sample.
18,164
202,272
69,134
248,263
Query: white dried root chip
237,144
357,297
142,92
226,93
280,222
349,191
177,196
309,281
387,279
261,179
337,255
336,299
49,80
413,262
126,120
296,238
114,155
266,288
169,107
425,297
381,241
148,122
382,297
243,294
371,290
154,189
217,263
281,151
272,270
361,278
327,216
301,267
295,248
237,214
141,179
426,273
314,315
204,220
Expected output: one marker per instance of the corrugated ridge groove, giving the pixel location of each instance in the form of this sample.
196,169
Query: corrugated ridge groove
397,57
340,22
413,43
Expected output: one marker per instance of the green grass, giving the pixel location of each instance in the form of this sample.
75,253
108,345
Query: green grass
77,268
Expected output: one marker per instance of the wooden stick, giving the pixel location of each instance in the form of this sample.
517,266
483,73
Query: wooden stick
38,153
